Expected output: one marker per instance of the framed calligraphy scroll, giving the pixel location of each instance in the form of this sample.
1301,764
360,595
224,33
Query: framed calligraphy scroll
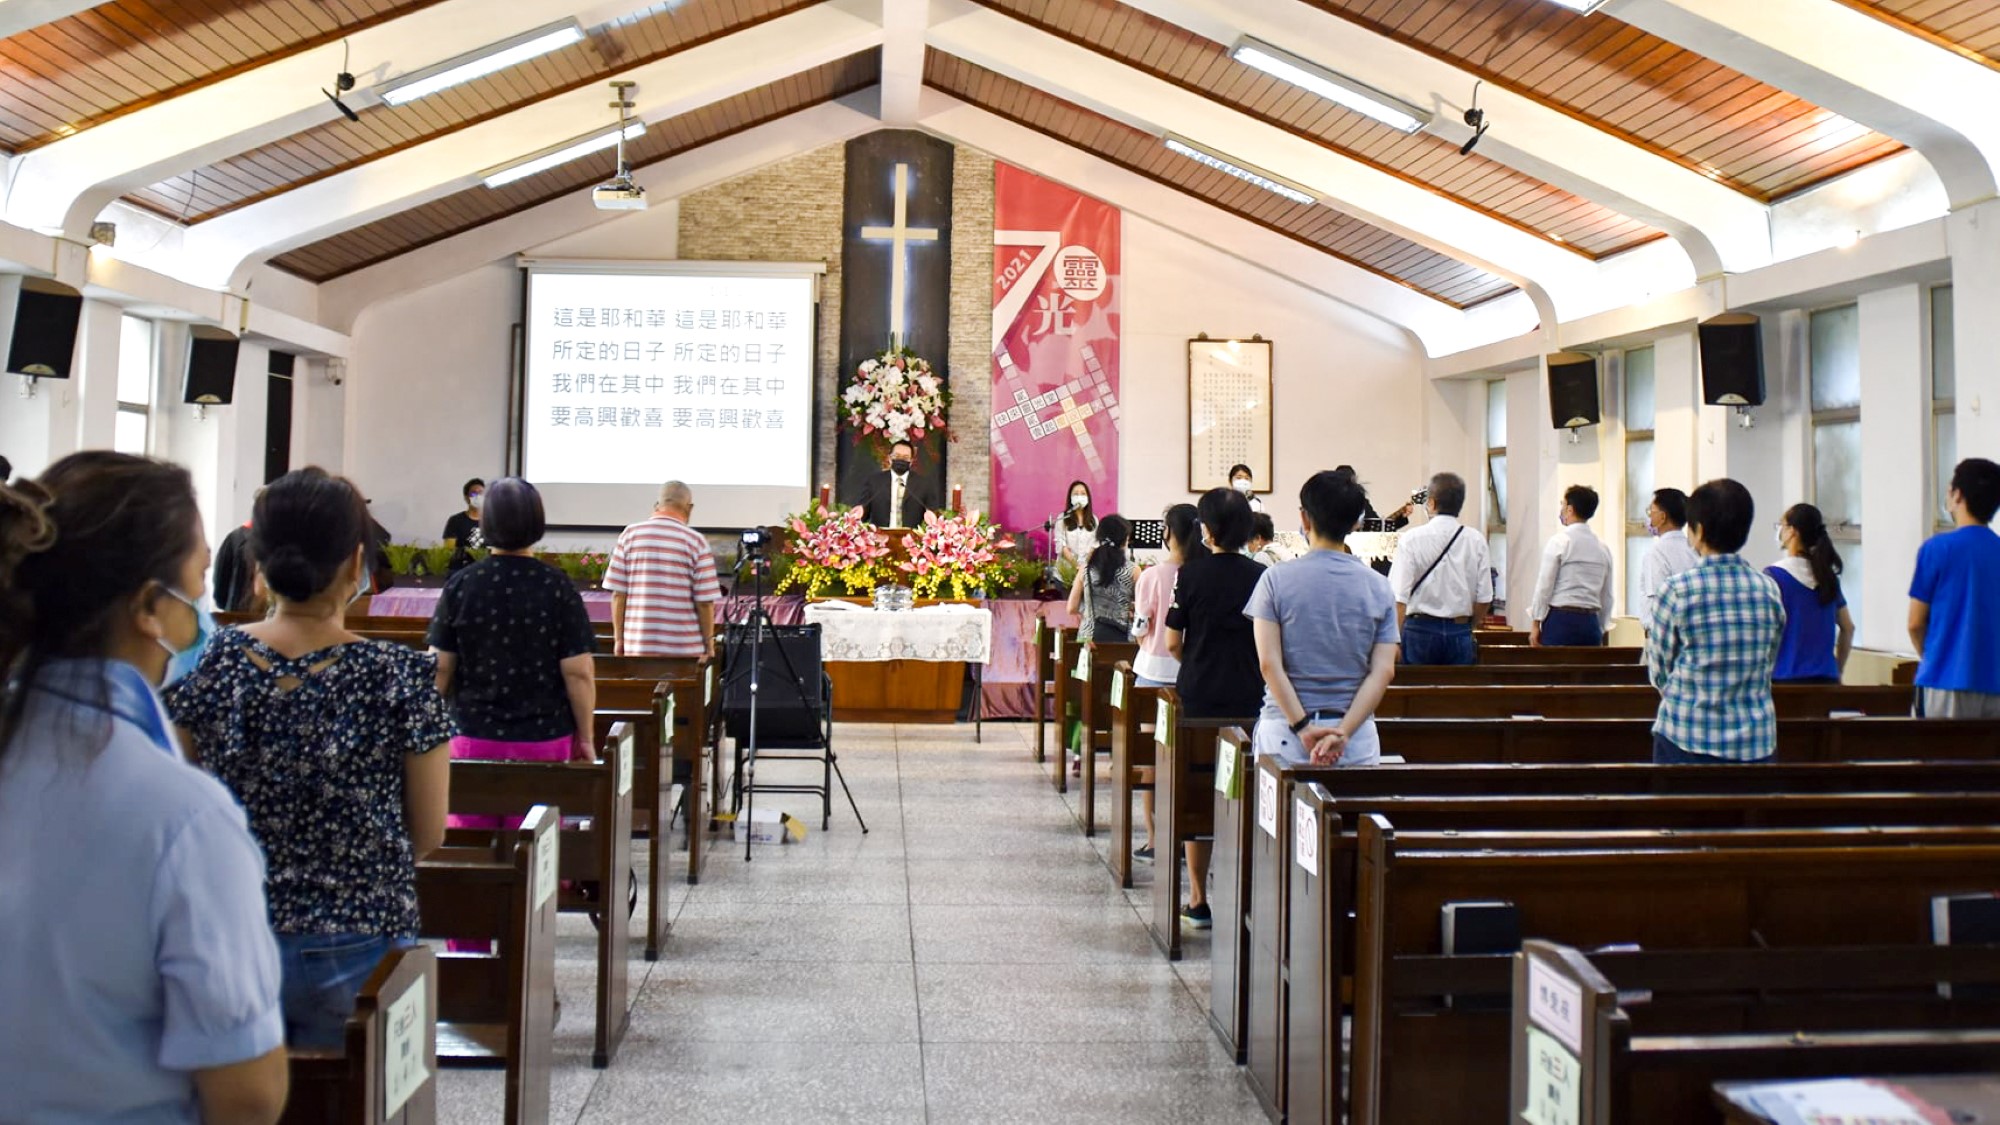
1229,411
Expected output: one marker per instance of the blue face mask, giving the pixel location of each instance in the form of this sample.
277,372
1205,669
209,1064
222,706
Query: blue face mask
181,661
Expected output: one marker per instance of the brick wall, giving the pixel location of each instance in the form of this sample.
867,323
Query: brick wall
791,212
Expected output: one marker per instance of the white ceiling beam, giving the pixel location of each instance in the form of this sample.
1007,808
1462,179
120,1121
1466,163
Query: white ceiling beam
65,184
1437,327
221,251
17,16
903,25
1567,282
1721,229
1934,100
343,299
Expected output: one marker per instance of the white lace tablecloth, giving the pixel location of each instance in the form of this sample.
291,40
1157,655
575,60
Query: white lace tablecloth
1370,546
939,633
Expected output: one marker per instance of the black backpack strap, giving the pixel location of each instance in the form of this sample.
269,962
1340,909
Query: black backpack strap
1442,555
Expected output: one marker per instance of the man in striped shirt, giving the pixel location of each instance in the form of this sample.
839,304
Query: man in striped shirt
662,583
1714,641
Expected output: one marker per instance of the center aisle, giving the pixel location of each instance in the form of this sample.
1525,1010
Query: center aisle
969,960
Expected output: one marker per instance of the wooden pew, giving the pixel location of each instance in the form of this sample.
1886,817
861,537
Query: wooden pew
1501,655
1689,898
1550,741
1133,712
1045,683
1229,893
1710,1015
387,1072
1321,876
1062,655
498,1009
1096,660
1793,701
600,853
648,706
694,737
1513,637
1183,806
1444,675
1277,792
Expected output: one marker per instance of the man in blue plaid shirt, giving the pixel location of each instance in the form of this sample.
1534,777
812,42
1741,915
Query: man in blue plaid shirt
1714,642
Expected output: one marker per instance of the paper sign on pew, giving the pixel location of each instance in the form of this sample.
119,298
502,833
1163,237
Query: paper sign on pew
546,867
1267,803
1082,671
404,1053
1556,1003
1555,1082
1117,692
1228,768
1305,837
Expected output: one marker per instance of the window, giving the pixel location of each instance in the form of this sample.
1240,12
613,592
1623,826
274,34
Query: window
1639,476
1496,483
129,433
1944,405
1835,371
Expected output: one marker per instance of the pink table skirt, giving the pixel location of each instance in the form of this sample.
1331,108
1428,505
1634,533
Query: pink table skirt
1009,679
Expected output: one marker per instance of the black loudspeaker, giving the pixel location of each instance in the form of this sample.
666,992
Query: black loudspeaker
1732,360
211,369
46,316
790,703
1572,390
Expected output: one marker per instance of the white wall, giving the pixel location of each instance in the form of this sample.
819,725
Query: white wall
1347,388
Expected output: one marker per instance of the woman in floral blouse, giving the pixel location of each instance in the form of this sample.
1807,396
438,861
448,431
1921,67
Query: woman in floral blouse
334,745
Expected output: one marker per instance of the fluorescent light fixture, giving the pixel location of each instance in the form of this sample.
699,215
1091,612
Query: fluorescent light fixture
1584,6
1340,89
486,60
1249,175
561,154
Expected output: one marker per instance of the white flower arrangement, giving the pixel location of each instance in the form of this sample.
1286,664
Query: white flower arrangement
894,397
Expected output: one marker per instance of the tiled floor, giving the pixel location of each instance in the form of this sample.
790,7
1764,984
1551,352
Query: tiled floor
968,960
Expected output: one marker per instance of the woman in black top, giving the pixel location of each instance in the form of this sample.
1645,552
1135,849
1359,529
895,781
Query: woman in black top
513,644
1215,644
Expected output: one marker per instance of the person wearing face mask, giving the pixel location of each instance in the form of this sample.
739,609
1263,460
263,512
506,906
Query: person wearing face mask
1671,553
142,979
1819,632
895,497
336,746
461,531
1241,480
1574,589
1079,525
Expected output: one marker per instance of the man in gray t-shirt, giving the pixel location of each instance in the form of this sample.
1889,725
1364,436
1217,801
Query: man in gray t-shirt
1326,638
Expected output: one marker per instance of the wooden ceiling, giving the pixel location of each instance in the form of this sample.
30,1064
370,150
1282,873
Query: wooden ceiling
1970,27
1202,65
1753,137
1317,225
66,76
419,226
612,49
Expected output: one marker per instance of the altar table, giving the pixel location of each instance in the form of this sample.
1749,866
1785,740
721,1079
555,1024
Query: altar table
900,667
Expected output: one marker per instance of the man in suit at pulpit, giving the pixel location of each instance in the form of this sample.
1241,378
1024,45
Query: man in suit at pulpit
895,497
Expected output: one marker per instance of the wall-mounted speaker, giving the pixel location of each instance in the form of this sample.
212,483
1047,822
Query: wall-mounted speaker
1732,360
211,367
41,340
1573,390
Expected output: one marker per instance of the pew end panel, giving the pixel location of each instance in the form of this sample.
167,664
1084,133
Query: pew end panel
1133,710
1229,892
1095,695
387,1072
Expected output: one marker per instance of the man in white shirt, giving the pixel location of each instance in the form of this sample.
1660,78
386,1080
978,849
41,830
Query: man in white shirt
1573,592
1443,580
1671,552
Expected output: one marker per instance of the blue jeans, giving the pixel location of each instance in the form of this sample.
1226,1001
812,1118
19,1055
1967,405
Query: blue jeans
1429,640
1667,753
323,975
1572,630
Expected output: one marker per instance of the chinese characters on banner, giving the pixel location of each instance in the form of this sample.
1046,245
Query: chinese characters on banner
1056,289
705,363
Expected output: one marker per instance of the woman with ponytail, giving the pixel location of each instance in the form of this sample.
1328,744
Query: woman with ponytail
1102,595
1819,632
335,745
141,979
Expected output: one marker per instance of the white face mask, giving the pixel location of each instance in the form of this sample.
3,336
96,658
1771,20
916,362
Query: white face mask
1242,485
1778,534
478,501
1079,501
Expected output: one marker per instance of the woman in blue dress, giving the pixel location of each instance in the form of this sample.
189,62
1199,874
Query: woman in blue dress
1819,632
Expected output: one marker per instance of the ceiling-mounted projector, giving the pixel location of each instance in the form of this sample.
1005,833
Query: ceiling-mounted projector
619,194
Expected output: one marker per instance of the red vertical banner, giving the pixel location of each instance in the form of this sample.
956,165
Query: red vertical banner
1055,348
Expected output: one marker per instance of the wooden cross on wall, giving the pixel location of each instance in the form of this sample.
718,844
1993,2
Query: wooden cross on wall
899,234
